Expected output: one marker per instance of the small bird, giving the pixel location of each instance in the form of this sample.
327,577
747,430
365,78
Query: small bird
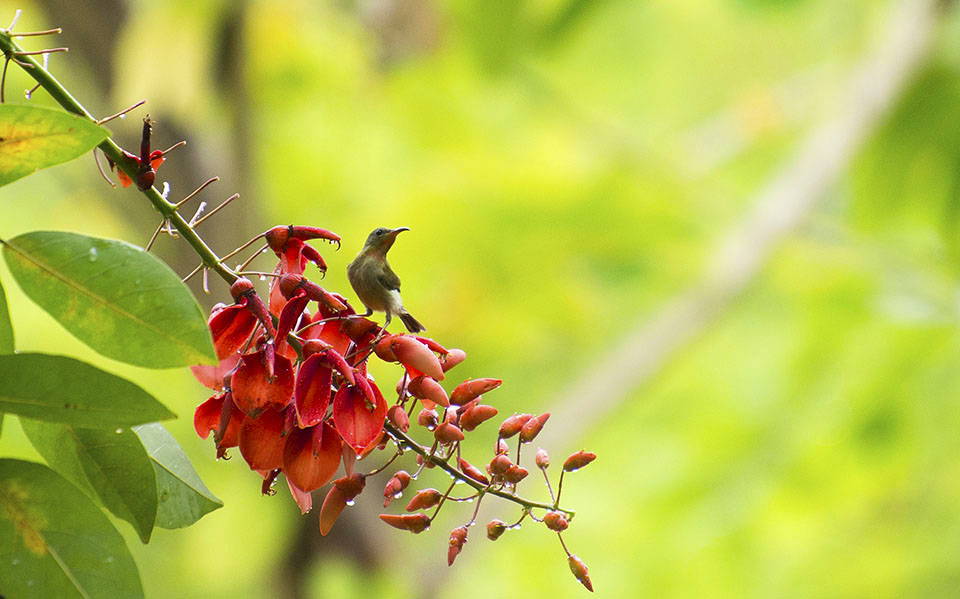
377,286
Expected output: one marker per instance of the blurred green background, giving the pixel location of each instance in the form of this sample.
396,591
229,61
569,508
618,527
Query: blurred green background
776,420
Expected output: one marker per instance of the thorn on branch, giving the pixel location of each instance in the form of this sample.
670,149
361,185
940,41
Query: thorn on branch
53,31
182,142
38,52
16,16
192,273
122,113
215,210
3,79
196,191
196,215
103,173
155,235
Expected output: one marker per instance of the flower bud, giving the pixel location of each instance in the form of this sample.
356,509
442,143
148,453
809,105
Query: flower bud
512,425
421,461
515,474
425,499
556,521
415,523
240,288
398,418
448,433
495,528
579,460
579,570
500,464
428,419
458,538
476,415
532,427
472,389
452,358
472,471
395,486
424,387
416,355
502,447
543,460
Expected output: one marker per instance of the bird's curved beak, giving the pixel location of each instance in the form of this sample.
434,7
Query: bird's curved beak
398,230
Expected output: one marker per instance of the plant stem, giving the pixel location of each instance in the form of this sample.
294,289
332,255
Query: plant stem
456,473
59,93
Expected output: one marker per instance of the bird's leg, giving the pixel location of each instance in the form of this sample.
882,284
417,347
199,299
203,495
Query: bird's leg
383,330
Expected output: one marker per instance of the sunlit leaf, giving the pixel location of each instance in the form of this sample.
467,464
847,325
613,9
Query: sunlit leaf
32,138
183,498
55,543
6,328
113,296
110,465
61,389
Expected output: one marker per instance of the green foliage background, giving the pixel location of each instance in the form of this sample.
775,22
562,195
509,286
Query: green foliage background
566,168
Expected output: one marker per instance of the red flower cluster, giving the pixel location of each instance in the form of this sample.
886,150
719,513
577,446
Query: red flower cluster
293,394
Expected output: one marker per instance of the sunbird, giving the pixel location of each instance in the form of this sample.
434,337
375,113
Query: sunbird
375,283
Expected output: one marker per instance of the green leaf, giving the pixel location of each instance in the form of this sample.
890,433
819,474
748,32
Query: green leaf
55,543
113,296
111,466
6,329
184,498
32,138
61,389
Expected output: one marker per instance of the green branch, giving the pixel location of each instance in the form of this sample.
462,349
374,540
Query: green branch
13,51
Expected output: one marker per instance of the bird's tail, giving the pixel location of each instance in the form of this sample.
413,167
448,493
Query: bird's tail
412,324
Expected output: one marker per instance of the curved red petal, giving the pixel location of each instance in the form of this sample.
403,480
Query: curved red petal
207,417
253,388
212,376
261,441
312,394
290,315
231,327
357,422
311,456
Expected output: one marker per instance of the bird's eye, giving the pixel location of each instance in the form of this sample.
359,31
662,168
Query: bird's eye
379,232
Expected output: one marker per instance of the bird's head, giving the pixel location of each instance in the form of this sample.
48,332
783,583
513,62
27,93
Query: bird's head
381,239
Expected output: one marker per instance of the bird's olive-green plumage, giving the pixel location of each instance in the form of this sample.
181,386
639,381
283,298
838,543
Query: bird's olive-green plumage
375,283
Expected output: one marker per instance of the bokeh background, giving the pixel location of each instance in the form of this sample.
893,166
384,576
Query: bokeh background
716,239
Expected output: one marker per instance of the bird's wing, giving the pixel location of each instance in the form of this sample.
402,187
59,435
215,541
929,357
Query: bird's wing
389,279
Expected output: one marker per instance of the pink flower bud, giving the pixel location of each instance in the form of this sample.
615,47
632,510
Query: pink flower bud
500,464
398,418
472,389
543,460
495,528
458,538
476,415
425,499
579,460
473,472
415,523
515,474
448,433
395,486
532,427
512,425
579,570
556,521
428,419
